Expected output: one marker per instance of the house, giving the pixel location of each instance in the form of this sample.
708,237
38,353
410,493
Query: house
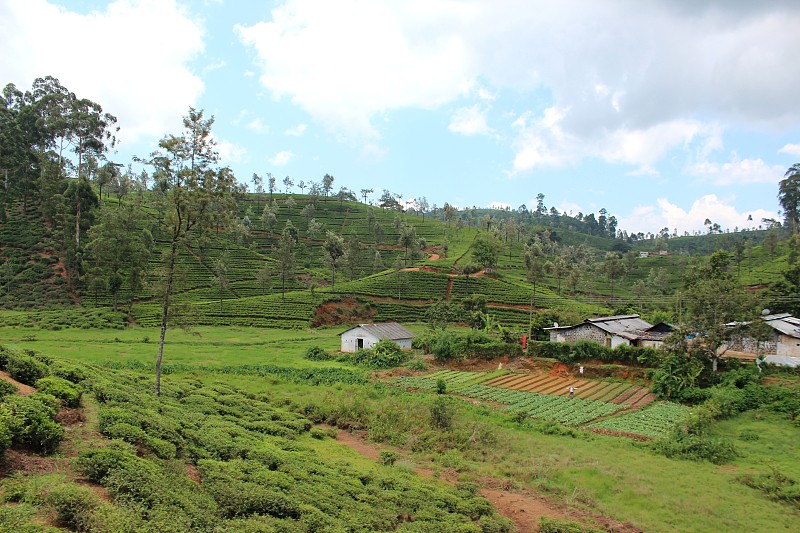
612,331
644,255
784,342
367,335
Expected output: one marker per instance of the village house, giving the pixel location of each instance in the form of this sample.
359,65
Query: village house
367,335
782,344
612,331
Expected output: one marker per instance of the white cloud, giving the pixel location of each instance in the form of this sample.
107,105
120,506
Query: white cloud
230,153
280,159
296,131
792,149
470,121
249,73
257,125
666,214
738,171
131,57
368,56
627,86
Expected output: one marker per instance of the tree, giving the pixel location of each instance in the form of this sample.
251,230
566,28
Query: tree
285,256
264,278
268,217
270,185
352,257
308,212
534,272
422,204
187,163
120,246
365,192
220,269
612,267
715,300
449,213
314,228
377,263
486,250
288,183
334,250
408,239
789,196
327,185
301,186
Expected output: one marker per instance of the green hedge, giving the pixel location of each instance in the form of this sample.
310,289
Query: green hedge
584,350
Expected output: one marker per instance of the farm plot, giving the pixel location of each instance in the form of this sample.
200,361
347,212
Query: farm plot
453,378
656,420
567,411
603,391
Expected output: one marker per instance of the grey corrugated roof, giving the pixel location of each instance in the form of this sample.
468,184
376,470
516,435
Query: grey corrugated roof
785,323
622,325
387,330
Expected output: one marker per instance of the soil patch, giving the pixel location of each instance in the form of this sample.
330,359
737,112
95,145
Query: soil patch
345,311
16,460
21,387
67,416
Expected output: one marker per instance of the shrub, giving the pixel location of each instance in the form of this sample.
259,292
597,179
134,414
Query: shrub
97,464
126,432
443,347
71,373
163,449
5,353
441,413
385,354
61,389
30,421
315,353
116,415
441,386
73,505
7,389
697,448
388,457
552,525
26,369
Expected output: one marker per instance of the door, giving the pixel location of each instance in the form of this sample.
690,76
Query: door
360,344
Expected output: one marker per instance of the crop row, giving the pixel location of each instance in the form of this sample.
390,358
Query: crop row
656,420
567,411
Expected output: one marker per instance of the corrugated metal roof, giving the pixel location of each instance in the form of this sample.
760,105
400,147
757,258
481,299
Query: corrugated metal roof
622,325
785,323
387,330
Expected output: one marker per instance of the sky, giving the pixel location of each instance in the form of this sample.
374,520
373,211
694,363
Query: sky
665,113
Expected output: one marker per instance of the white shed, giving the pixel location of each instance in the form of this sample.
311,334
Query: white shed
367,335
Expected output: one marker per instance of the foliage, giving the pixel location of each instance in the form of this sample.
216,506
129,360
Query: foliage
26,369
30,421
6,389
697,448
61,389
384,354
775,484
315,353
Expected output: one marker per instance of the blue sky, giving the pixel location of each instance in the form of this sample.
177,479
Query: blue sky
664,112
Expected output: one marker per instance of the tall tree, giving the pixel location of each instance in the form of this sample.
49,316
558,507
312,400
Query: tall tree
188,164
286,255
288,183
789,196
365,192
535,271
334,250
327,184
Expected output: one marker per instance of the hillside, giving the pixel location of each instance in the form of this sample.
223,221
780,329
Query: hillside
231,277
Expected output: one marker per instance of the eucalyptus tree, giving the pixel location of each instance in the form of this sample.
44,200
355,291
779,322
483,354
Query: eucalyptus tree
789,196
288,183
534,272
285,255
197,189
334,250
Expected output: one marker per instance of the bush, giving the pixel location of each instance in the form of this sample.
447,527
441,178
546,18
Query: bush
126,432
73,505
552,525
388,457
97,464
441,413
26,369
697,448
30,420
7,389
5,353
443,347
61,389
385,354
163,449
71,373
315,353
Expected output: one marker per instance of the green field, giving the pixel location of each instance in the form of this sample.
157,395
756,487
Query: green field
612,476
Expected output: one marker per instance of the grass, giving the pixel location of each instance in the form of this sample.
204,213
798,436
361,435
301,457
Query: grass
612,476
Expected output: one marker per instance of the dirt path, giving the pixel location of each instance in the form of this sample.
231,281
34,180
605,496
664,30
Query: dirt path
21,387
525,510
433,257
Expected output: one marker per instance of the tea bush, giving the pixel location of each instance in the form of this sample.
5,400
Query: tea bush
26,369
61,389
7,389
315,353
30,420
385,354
